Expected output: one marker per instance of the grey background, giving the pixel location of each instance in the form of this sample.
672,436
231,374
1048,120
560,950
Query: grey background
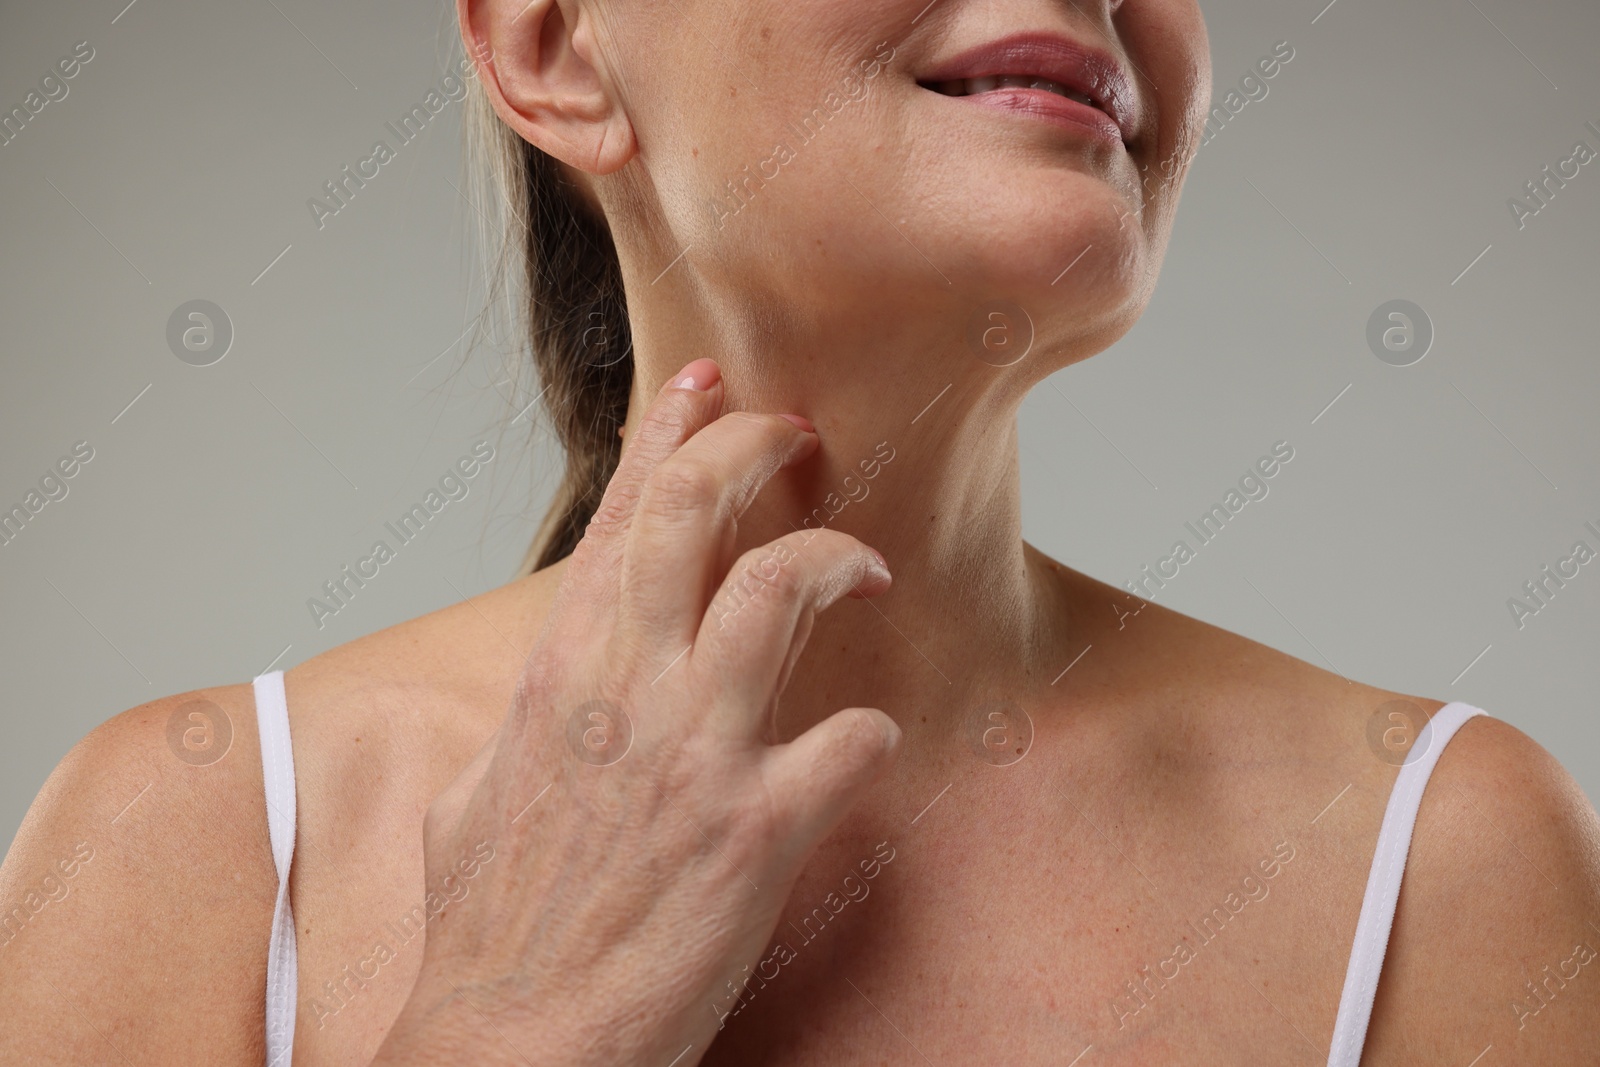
1377,167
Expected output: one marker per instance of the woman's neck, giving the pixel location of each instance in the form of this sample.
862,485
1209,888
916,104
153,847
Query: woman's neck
920,464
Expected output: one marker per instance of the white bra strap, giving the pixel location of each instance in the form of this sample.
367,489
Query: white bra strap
1383,883
277,772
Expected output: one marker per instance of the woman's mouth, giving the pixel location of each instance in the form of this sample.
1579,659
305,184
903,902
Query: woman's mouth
974,86
1039,97
1045,75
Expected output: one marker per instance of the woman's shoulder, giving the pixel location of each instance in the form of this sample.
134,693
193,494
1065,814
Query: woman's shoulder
381,724
143,872
163,778
1496,939
138,877
400,692
411,695
1226,680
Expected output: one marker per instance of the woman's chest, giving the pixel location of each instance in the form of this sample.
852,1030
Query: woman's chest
1007,934
997,913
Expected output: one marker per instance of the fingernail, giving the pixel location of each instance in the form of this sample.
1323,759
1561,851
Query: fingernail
697,377
891,737
800,421
879,556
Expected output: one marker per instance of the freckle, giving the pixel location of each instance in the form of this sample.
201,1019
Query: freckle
766,33
695,152
733,90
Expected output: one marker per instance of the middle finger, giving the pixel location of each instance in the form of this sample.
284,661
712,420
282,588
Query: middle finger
686,518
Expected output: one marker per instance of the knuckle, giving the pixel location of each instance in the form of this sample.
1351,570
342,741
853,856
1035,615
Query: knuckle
680,485
751,826
669,416
679,763
772,567
540,680
611,517
767,579
781,579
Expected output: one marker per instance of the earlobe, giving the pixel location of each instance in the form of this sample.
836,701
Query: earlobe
539,77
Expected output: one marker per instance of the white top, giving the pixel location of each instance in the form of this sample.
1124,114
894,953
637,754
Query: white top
1383,883
277,772
1360,979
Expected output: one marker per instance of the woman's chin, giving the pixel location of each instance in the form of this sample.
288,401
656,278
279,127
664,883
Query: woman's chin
1094,285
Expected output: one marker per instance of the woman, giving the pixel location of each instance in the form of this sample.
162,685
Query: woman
1003,813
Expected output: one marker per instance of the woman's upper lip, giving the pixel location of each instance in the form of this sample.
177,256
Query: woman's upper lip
1082,68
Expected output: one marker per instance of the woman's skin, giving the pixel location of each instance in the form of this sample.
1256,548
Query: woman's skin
1021,912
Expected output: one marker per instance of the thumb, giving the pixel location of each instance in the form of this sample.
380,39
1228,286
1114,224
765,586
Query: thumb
825,771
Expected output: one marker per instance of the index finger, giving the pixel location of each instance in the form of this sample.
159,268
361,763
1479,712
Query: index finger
689,401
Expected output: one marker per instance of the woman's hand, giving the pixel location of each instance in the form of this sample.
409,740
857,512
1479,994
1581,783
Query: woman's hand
645,830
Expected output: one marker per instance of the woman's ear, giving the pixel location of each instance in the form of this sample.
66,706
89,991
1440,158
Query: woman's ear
536,61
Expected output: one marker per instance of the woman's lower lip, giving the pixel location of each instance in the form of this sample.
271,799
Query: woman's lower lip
1052,107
